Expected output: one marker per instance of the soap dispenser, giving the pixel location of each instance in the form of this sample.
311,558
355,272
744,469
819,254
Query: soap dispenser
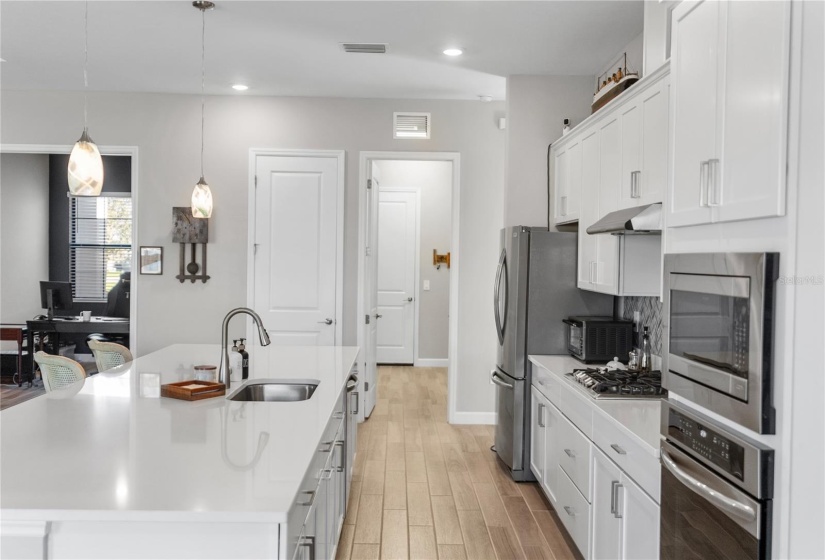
235,363
245,358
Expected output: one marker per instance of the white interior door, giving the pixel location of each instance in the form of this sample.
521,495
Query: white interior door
296,245
397,255
370,386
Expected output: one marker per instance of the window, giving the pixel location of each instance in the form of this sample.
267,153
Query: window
100,244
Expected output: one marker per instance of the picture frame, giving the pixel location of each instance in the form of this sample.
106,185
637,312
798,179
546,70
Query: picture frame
151,260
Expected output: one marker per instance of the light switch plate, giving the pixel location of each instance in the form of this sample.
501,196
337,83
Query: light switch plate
426,285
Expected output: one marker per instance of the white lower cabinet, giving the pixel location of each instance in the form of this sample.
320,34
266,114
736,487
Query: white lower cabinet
607,514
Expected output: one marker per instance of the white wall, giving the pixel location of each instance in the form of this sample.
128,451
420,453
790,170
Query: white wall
536,109
166,129
434,181
24,234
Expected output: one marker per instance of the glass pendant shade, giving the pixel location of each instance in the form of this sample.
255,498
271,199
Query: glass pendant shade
202,200
85,168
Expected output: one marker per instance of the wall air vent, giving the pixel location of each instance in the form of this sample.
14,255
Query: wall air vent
411,125
365,48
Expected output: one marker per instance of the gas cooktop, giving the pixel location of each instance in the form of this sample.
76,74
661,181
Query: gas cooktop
602,383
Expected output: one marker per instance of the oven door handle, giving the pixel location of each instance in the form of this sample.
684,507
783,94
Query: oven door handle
721,501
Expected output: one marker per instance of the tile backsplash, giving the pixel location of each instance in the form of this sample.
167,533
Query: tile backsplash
650,311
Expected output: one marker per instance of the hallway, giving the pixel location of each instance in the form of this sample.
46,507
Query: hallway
425,489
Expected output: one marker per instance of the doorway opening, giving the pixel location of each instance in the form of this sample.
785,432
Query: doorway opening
89,242
407,302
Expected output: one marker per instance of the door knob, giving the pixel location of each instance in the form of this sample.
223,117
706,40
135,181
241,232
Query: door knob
325,322
409,299
377,316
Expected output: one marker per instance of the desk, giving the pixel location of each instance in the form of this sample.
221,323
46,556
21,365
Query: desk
103,325
16,333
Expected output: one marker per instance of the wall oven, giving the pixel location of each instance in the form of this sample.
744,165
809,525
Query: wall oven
718,330
717,489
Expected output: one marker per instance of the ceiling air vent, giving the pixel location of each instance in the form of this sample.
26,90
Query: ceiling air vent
411,125
365,48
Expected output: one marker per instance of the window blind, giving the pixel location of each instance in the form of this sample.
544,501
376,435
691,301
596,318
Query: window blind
100,244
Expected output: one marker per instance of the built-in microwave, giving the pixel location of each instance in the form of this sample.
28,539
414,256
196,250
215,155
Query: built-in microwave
718,327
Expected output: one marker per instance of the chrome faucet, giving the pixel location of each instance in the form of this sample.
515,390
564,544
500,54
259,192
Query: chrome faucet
223,371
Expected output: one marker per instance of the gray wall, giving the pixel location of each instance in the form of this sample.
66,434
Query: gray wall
434,180
24,234
536,109
166,129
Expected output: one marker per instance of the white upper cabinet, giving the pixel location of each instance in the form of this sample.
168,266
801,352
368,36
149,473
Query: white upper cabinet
610,176
588,247
568,170
729,66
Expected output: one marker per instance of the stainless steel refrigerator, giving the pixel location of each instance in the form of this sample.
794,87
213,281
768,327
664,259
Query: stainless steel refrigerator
535,290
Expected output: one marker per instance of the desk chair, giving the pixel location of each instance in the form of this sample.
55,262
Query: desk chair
108,354
57,371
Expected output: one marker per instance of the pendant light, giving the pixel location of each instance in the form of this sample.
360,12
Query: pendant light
202,195
85,164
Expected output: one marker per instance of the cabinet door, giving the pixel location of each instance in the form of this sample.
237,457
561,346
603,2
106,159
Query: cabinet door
752,159
538,413
651,183
640,522
550,480
631,147
588,210
694,83
574,182
607,523
560,184
610,170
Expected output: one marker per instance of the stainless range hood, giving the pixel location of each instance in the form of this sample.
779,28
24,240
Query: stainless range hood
637,220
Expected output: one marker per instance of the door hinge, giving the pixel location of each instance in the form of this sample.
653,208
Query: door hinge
255,249
367,319
369,183
367,251
366,386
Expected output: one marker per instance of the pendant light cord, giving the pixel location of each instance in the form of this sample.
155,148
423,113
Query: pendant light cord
86,66
203,74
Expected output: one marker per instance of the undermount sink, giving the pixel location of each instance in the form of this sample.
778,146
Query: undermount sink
274,390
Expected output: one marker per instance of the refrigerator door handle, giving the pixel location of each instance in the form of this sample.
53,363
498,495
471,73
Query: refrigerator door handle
501,270
499,381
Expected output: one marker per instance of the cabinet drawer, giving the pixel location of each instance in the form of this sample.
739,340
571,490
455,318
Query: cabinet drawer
577,409
574,512
547,384
574,456
631,457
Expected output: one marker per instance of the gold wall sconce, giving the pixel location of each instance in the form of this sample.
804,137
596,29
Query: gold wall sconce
438,260
193,231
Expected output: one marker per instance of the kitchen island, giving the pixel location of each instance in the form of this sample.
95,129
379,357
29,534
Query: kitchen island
107,468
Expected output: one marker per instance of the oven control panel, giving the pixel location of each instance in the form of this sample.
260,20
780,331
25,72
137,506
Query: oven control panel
703,440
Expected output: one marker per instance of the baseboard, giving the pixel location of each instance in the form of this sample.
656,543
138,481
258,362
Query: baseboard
474,418
432,362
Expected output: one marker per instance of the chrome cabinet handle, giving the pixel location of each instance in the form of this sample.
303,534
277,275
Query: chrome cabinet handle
340,467
703,183
564,206
616,486
311,494
326,321
714,192
328,449
498,381
635,191
570,453
613,485
309,543
570,511
617,449
725,503
594,272
357,400
541,416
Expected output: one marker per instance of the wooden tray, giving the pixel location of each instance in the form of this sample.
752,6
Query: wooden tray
193,390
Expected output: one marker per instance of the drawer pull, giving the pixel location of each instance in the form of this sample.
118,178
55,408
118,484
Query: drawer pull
614,498
617,449
570,511
570,453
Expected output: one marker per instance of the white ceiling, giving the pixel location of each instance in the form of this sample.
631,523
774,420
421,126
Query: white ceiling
292,48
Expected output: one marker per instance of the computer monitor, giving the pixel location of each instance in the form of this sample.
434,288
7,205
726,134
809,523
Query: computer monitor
55,295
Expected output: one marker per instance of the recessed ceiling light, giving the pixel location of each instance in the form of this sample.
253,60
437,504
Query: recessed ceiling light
453,52
240,87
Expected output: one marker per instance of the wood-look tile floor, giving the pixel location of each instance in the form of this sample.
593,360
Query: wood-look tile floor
425,489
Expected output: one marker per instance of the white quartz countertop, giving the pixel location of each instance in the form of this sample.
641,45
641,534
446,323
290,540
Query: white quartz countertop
639,418
111,448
